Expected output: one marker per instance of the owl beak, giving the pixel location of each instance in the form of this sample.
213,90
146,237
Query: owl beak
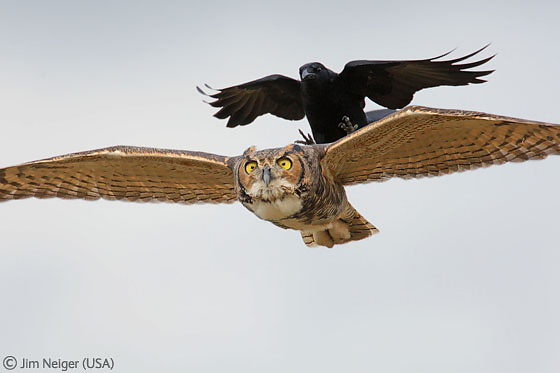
266,174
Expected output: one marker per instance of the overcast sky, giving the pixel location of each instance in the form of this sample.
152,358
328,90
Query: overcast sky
463,276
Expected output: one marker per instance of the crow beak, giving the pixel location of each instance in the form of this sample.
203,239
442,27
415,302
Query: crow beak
266,175
306,75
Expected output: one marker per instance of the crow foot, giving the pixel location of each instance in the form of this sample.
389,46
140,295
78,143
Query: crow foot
347,126
307,140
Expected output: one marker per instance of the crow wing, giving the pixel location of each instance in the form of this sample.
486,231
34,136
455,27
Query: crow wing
393,83
123,173
419,141
274,94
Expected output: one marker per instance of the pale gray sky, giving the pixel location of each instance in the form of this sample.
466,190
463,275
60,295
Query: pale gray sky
462,278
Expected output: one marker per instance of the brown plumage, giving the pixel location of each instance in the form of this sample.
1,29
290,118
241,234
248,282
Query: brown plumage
295,187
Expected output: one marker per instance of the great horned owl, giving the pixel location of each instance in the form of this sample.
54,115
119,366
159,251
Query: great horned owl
295,187
290,188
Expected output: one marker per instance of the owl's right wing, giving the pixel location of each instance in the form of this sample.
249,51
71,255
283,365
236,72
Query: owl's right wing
420,141
123,173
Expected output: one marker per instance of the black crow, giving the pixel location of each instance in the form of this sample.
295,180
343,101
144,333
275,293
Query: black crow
334,103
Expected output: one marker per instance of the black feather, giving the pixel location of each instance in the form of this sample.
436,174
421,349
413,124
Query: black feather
325,97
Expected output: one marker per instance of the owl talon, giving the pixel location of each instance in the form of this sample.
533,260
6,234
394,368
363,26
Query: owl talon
307,140
347,126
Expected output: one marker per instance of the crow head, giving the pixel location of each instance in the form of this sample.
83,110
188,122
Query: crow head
313,71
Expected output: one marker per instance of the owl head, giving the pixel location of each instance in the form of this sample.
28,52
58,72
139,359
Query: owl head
271,174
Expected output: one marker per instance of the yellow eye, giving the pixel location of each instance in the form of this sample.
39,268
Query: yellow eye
285,163
250,166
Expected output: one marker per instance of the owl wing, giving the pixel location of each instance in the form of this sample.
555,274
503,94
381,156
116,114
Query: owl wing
420,141
123,173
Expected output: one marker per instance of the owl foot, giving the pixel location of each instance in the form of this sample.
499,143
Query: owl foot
323,238
347,126
337,234
307,140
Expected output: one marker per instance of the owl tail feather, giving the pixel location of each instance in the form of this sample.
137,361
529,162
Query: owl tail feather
350,226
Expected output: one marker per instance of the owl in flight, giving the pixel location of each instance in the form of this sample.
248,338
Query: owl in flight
294,187
334,103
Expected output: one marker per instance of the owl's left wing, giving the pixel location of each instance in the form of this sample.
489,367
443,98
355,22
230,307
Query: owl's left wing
123,173
420,141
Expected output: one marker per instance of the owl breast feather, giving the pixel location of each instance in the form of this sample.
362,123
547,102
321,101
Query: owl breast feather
277,209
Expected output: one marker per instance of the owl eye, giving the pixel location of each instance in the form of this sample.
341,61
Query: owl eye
285,163
250,166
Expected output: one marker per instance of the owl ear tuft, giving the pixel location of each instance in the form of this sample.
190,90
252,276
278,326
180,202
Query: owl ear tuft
250,150
297,148
293,148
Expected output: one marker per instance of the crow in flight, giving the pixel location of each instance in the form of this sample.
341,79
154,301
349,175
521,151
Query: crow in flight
334,103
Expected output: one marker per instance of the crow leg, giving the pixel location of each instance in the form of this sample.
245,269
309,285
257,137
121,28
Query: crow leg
307,140
347,126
